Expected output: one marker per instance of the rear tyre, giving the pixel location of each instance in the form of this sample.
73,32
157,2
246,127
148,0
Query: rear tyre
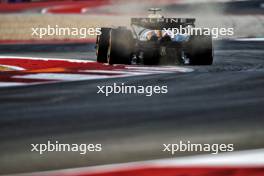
151,56
102,42
121,46
200,50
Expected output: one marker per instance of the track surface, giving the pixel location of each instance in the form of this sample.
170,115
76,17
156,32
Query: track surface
222,103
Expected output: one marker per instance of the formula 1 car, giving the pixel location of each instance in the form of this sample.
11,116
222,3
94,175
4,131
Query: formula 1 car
145,43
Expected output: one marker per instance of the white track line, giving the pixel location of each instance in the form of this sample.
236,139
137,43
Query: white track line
249,39
12,67
12,84
61,76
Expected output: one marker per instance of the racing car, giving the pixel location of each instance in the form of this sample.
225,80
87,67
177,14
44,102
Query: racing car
145,43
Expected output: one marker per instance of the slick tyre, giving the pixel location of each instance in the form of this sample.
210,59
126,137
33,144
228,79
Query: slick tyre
200,50
121,46
102,42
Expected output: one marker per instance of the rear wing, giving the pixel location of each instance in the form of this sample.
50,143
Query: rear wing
161,23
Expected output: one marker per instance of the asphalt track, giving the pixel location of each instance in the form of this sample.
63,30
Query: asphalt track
222,103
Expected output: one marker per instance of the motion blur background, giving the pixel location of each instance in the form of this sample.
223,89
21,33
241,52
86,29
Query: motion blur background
17,19
222,103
